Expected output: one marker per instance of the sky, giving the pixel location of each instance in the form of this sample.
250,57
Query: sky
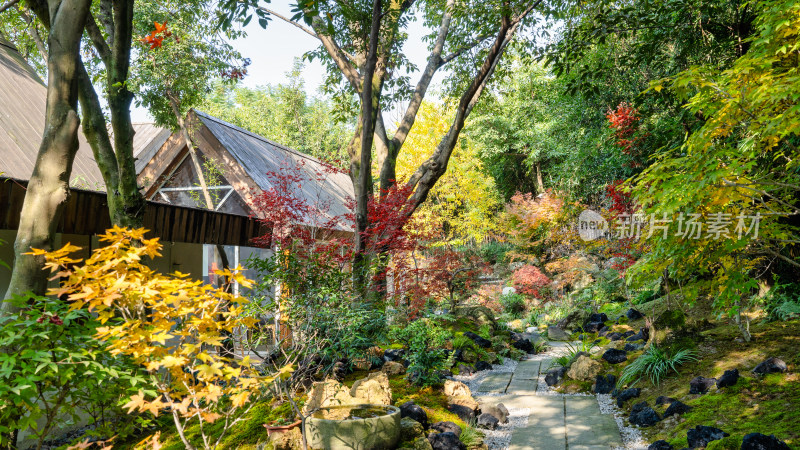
272,52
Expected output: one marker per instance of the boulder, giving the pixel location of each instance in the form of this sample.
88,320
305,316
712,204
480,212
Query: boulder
465,369
729,378
633,347
466,408
771,365
677,407
660,445
393,368
642,335
519,341
468,356
499,411
447,427
555,333
554,375
627,394
393,354
478,314
288,440
603,331
597,318
410,429
413,411
482,365
701,435
373,390
614,356
663,400
328,393
421,443
593,327
456,389
574,320
604,384
628,334
633,314
643,415
479,341
445,441
758,441
487,421
584,369
701,385
614,336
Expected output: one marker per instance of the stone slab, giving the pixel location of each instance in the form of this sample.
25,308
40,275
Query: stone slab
522,386
495,382
527,370
604,433
538,438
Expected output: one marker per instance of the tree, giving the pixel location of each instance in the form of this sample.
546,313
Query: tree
362,47
48,186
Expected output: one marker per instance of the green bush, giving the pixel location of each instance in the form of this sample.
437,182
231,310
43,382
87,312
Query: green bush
494,252
461,342
513,304
424,339
782,302
655,363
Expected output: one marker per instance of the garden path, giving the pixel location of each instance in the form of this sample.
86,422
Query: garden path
555,421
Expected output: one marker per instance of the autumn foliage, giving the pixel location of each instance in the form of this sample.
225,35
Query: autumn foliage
625,123
530,280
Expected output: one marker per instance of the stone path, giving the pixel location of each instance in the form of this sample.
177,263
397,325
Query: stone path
555,422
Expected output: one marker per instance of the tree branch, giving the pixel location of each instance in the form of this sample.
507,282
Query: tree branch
342,59
290,22
34,32
8,5
461,50
98,40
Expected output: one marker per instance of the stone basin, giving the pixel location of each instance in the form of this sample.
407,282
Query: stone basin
353,427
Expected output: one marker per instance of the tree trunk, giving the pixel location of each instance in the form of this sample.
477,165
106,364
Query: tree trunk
539,181
49,184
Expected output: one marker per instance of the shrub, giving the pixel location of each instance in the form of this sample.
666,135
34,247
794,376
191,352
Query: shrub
424,339
513,304
530,280
655,363
461,342
494,252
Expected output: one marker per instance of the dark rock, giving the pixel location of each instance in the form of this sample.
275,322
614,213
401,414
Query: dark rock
339,369
463,412
643,415
615,356
758,441
393,354
627,394
412,411
627,334
479,341
593,327
701,385
487,421
662,400
633,314
604,384
445,441
554,376
597,317
520,342
677,407
660,445
573,320
405,363
447,427
642,335
603,331
465,369
482,365
614,336
701,435
500,412
771,365
633,347
460,355
729,378
597,341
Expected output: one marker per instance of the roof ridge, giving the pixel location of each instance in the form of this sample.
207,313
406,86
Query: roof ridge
259,137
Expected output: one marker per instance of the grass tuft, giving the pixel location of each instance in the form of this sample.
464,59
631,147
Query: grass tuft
655,363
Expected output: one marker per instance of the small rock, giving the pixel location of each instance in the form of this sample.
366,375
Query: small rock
632,347
410,429
573,320
701,385
604,384
615,356
411,410
374,389
422,443
662,400
393,368
482,365
771,365
660,445
701,435
758,441
445,427
614,336
643,415
633,314
445,441
603,331
520,342
554,375
465,369
555,333
584,369
464,413
593,327
456,389
393,354
729,378
677,407
500,412
288,440
487,421
627,334
626,395
479,341
597,317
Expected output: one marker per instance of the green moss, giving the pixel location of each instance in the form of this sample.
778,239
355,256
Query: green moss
728,443
431,399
